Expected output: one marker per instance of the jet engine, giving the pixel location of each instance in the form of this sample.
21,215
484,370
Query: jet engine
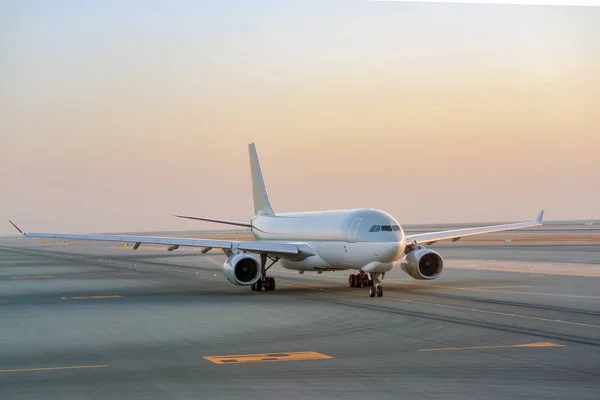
241,269
423,264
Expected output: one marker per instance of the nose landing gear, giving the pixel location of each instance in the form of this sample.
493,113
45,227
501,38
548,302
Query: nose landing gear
376,290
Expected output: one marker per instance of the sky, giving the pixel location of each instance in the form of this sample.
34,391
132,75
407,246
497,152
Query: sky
115,115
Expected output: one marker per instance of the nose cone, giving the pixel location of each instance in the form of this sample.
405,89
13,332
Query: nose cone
381,229
391,251
397,249
400,235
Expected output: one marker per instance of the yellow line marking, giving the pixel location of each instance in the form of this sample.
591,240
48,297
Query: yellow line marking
538,344
557,321
267,357
52,368
114,296
33,277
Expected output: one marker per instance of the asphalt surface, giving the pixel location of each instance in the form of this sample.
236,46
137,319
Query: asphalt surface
97,321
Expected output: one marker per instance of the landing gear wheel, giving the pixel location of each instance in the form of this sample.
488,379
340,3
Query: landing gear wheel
352,280
259,285
359,282
270,284
379,291
253,287
372,291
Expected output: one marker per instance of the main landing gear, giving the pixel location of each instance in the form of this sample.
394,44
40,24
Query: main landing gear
265,282
268,283
372,280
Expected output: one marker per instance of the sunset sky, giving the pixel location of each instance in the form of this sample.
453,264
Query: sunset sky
115,115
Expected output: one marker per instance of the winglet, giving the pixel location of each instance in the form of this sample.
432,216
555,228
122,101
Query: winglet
16,227
540,217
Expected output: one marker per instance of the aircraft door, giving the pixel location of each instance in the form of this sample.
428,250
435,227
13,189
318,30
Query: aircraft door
352,230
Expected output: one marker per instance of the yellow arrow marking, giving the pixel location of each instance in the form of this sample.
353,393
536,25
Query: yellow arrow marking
267,357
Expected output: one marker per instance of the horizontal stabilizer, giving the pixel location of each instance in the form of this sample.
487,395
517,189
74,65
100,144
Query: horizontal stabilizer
218,221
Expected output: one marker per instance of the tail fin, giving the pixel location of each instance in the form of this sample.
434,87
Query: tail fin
261,200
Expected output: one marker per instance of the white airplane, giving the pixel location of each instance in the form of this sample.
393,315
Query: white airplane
366,240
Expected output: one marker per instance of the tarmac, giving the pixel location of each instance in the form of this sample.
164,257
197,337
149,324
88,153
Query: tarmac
97,321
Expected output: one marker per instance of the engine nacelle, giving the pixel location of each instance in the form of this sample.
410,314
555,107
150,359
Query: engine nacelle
241,269
423,264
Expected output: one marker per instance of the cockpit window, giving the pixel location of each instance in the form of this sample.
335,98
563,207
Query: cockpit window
384,228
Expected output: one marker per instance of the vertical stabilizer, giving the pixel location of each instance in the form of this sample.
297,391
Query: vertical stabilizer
261,200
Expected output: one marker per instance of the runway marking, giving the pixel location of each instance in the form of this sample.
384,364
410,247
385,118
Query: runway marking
493,287
558,321
114,296
574,296
33,277
475,289
538,344
267,357
572,268
52,368
490,290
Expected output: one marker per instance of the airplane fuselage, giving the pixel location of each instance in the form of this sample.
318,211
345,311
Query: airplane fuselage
366,239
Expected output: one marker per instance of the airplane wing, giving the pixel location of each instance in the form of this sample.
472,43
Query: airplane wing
292,251
432,237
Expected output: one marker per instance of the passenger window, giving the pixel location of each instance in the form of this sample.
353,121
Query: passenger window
386,228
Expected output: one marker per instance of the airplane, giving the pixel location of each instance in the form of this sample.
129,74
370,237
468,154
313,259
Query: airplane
368,241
